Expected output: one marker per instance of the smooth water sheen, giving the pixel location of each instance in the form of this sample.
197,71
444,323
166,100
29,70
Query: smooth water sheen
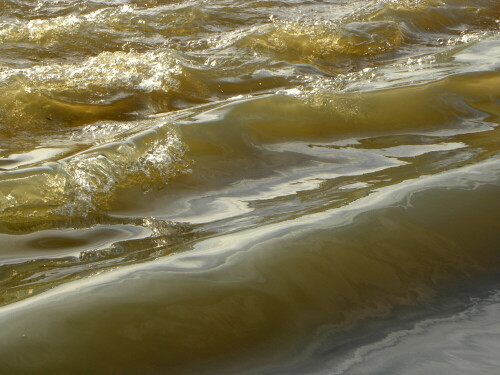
249,187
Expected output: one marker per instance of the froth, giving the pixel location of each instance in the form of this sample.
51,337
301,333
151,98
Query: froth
87,182
107,71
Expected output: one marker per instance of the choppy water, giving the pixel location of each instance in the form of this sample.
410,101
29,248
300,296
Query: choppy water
249,187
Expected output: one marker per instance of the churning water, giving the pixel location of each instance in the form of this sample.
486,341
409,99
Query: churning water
249,187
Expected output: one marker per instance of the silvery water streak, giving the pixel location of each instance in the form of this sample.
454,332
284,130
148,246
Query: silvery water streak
249,187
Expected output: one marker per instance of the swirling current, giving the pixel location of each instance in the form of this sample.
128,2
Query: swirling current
249,187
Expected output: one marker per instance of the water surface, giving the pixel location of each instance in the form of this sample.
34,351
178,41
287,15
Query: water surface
249,187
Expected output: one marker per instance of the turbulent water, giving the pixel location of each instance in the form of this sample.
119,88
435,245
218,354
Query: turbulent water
249,187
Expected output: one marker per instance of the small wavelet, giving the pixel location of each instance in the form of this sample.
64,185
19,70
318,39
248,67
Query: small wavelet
248,186
87,181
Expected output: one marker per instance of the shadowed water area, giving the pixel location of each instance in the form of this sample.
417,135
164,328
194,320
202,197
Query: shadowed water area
249,187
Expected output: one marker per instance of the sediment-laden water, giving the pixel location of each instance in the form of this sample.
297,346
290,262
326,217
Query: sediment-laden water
249,187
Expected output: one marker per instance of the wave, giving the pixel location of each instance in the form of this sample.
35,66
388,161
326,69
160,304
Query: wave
203,186
267,292
321,114
111,85
326,34
294,41
231,137
86,182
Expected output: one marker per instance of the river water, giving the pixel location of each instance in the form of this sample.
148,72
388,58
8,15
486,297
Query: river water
249,187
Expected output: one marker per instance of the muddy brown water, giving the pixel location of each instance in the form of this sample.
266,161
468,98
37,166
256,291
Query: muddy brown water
249,187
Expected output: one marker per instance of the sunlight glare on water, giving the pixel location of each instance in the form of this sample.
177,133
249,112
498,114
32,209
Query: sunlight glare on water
249,187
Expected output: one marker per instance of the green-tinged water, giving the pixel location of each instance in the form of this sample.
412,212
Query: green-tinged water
249,187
